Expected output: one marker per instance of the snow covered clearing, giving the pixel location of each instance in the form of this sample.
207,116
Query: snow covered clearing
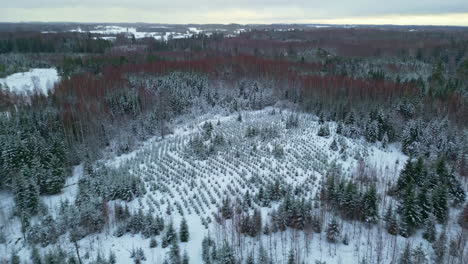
179,184
35,80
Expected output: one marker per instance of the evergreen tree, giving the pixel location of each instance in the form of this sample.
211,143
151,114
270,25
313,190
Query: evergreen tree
250,259
207,245
263,256
26,193
405,257
406,177
370,213
291,257
15,259
440,203
324,131
440,248
424,202
429,229
174,253
334,145
112,258
184,231
385,140
409,212
333,231
226,254
153,242
169,236
36,256
185,258
418,256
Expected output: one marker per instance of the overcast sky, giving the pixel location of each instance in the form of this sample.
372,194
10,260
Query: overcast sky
426,12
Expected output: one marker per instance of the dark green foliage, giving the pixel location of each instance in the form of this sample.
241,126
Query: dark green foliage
430,232
184,231
226,255
112,184
333,231
324,131
39,43
208,250
291,257
409,212
418,255
153,242
138,255
174,253
440,248
15,259
185,258
33,146
405,257
36,256
169,237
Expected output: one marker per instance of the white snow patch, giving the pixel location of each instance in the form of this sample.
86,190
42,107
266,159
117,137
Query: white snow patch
35,80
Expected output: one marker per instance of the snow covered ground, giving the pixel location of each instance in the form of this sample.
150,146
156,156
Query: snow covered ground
35,80
105,31
194,187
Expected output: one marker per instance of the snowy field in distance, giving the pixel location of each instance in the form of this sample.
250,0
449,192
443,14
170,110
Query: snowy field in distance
35,80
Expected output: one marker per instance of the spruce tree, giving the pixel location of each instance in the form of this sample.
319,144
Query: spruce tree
36,256
185,258
153,242
250,259
406,177
409,212
174,253
184,231
169,236
333,231
429,229
226,254
440,248
263,256
291,257
207,245
370,213
440,203
418,256
405,257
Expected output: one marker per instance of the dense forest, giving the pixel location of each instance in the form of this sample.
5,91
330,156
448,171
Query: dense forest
384,87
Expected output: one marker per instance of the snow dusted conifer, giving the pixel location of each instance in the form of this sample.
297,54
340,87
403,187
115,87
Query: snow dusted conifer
405,257
226,254
334,145
370,213
174,253
333,231
185,258
153,242
440,248
35,256
169,236
429,229
440,203
418,255
324,131
409,212
291,257
250,259
184,231
385,140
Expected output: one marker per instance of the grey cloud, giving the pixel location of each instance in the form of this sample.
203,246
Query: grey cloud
328,8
